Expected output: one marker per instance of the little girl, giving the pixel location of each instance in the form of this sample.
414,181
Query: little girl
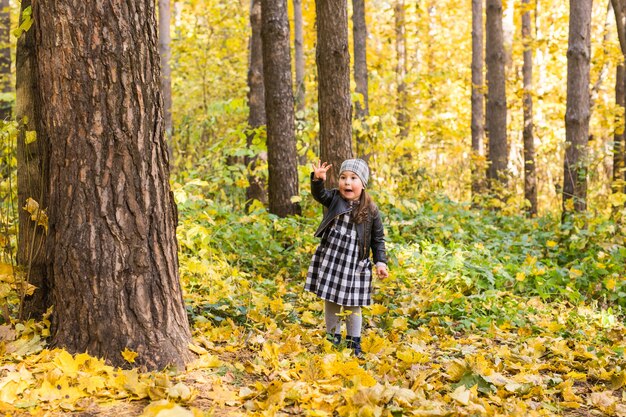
341,272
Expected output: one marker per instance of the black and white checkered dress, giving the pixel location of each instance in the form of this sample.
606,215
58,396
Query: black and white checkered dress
335,273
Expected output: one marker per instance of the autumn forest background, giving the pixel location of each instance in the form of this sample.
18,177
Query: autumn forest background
157,222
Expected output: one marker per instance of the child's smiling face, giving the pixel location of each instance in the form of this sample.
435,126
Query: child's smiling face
350,186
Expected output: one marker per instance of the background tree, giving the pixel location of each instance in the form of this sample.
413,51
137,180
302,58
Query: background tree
619,150
402,115
496,94
5,59
165,52
359,40
530,174
333,68
279,109
478,99
256,103
299,51
112,219
577,107
32,168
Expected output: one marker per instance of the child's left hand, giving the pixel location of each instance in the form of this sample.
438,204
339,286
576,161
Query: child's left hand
381,270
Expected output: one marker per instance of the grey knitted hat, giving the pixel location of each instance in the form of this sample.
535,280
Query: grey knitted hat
359,167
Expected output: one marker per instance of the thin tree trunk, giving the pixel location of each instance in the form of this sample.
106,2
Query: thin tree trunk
359,36
604,70
496,94
619,176
577,111
619,146
279,109
478,99
299,51
402,115
165,52
112,219
5,58
256,103
333,68
32,177
530,173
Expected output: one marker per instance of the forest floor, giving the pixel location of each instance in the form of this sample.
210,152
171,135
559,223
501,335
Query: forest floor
481,316
566,361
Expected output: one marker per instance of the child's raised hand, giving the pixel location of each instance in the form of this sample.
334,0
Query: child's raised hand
319,170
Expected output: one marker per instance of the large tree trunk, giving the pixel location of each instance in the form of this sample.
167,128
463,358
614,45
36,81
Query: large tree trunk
478,99
577,107
496,94
530,173
333,68
299,51
256,103
281,142
5,58
165,52
402,115
359,39
32,175
112,219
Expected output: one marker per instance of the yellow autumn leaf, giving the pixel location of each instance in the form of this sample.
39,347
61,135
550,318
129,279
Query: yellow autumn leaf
461,394
400,323
377,309
30,137
551,243
456,369
129,355
610,284
411,356
164,408
66,363
372,343
568,393
618,380
575,273
307,317
181,392
604,400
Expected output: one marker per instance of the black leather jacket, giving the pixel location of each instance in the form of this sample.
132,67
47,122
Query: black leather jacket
371,233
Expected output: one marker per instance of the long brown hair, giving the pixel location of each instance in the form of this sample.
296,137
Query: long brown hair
366,207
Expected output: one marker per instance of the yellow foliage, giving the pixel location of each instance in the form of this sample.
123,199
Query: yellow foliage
129,355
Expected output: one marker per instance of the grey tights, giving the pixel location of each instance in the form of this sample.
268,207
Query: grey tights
354,320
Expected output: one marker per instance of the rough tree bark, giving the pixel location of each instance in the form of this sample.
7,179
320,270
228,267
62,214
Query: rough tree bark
256,102
359,39
32,179
5,58
577,108
478,99
333,68
496,94
112,218
402,115
165,52
299,51
279,109
530,173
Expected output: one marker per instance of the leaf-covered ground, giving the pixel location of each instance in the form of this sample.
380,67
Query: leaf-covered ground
483,315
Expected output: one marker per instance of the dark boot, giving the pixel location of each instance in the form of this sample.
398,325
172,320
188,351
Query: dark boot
335,339
354,343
